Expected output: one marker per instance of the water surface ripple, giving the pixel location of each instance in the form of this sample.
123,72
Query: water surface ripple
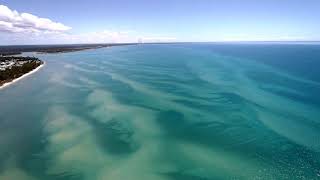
184,111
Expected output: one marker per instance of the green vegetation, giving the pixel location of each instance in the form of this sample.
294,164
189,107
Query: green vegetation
18,58
22,66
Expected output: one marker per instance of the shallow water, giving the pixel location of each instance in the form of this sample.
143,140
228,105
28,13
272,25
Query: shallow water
184,111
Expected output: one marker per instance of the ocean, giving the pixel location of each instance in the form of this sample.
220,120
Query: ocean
183,111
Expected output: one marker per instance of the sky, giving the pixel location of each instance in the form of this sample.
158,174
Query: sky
119,21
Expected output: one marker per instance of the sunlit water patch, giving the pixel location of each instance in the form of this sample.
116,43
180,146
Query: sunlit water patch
188,111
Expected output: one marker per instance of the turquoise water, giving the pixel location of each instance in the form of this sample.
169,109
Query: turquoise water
184,111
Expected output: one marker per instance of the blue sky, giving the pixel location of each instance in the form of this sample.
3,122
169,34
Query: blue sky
160,20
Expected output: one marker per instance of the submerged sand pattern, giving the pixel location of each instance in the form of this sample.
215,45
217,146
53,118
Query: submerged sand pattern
164,112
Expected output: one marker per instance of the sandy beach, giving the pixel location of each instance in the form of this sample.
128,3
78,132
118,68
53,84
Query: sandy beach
21,77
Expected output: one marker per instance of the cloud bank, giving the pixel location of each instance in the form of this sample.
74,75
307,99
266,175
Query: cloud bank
157,39
114,36
14,22
26,28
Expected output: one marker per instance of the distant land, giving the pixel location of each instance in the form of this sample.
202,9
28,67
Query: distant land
63,48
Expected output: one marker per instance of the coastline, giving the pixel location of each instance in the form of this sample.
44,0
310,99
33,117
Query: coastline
21,77
48,49
52,49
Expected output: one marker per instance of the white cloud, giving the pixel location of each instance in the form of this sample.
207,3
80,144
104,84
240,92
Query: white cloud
14,22
25,28
108,36
157,39
105,36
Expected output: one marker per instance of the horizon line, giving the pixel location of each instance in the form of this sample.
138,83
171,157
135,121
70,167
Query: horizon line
169,42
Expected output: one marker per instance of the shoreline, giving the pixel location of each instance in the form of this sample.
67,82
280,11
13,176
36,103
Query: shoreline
52,49
21,77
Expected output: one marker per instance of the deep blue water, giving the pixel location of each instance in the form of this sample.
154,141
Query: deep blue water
166,111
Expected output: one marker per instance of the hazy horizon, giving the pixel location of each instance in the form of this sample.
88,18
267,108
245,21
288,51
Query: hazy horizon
186,42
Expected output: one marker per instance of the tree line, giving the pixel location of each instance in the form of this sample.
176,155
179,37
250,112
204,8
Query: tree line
17,71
